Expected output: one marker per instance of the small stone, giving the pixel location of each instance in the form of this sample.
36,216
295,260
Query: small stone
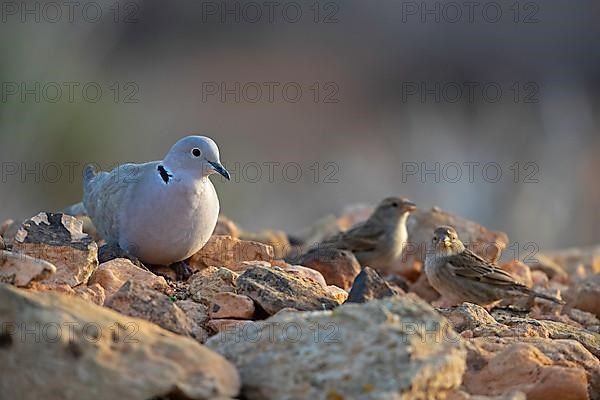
467,316
586,295
205,284
278,240
368,285
225,251
93,293
274,289
198,314
231,305
113,274
338,267
136,300
20,269
339,294
304,272
59,239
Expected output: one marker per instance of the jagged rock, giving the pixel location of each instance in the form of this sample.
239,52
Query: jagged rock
225,251
394,348
586,295
274,289
542,368
304,272
339,294
198,314
59,239
278,240
113,274
368,285
138,301
57,347
205,284
467,316
231,305
20,269
338,267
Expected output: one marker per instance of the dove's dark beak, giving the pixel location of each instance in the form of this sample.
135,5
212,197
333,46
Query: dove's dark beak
409,206
220,169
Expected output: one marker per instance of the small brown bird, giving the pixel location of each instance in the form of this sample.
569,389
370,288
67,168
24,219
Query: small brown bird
461,275
378,241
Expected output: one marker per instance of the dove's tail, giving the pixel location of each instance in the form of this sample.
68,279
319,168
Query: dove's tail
89,173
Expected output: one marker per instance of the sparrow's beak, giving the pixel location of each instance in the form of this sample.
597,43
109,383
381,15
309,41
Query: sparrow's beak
220,169
410,206
447,242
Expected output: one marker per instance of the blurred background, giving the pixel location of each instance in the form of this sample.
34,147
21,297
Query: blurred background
488,110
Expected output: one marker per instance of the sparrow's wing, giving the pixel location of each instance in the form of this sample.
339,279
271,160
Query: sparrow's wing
470,266
362,237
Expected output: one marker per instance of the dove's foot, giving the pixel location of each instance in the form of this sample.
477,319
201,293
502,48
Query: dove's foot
110,252
182,271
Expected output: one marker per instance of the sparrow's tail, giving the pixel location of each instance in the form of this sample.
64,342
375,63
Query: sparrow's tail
544,296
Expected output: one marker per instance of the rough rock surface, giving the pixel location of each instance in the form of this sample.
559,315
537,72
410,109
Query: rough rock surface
231,305
20,269
368,285
59,239
304,272
542,368
138,301
204,285
467,316
586,295
225,251
274,289
338,267
198,314
113,274
395,348
81,351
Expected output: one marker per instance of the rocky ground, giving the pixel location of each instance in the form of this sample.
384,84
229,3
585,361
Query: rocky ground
249,325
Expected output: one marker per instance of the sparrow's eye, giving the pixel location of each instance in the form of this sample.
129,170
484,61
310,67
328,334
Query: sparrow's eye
196,152
394,204
435,238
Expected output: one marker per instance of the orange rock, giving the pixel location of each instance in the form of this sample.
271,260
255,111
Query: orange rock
339,294
113,274
231,305
226,251
338,267
586,295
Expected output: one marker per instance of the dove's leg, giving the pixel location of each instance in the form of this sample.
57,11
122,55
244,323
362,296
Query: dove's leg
111,251
182,270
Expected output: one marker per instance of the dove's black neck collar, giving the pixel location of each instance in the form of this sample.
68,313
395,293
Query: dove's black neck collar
164,174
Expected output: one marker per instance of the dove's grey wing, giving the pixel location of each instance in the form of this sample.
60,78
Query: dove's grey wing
104,194
469,265
361,238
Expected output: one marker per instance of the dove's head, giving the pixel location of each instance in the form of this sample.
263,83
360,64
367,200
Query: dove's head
197,156
445,241
393,209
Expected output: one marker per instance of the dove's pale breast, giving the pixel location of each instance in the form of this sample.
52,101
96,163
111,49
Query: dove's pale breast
165,222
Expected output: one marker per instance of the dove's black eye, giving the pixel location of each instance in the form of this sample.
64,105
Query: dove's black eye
196,152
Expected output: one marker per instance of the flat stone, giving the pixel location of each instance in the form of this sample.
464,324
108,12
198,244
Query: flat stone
20,269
